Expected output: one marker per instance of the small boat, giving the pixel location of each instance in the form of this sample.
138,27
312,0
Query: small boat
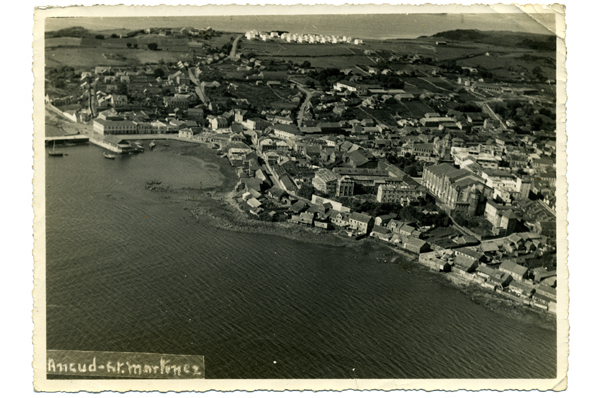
70,144
152,145
53,151
109,155
137,147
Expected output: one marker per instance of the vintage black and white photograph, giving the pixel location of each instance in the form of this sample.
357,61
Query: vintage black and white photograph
329,196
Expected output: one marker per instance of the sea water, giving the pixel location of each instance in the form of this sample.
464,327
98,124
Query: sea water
132,270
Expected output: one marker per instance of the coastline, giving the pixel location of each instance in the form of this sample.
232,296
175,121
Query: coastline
218,207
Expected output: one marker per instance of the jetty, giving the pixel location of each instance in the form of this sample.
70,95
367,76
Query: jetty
74,139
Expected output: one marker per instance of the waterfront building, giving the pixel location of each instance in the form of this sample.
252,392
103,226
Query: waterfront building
518,272
360,222
382,233
112,127
415,245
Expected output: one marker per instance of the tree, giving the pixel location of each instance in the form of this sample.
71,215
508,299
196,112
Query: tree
135,46
159,72
121,89
412,170
114,36
100,37
305,64
306,191
129,45
152,46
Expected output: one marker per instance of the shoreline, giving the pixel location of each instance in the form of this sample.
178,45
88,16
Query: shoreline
234,221
218,207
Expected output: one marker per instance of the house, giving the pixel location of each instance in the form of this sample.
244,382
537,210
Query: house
382,233
361,222
518,272
118,100
415,245
545,294
236,138
383,220
188,133
325,180
299,206
489,247
395,225
465,264
285,131
540,274
176,102
218,123
406,230
256,123
253,202
521,289
493,278
303,218
468,253
283,119
435,260
277,193
361,159
340,219
499,280
239,115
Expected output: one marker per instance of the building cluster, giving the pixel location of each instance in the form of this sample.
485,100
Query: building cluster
501,265
475,165
301,38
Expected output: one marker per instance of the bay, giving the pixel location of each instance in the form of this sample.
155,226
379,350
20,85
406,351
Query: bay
132,270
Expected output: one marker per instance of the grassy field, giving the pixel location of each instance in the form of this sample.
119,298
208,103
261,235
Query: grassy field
63,42
259,96
402,46
419,83
439,82
413,109
339,62
511,65
283,49
88,52
79,58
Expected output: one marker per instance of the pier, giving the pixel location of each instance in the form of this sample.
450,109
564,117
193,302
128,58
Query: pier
106,145
75,139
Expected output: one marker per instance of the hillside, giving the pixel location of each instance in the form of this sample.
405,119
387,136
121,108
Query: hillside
501,38
76,31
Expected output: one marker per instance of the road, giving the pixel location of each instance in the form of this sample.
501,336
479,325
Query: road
234,47
309,93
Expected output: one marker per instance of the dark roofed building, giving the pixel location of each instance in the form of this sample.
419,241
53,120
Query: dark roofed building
517,271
